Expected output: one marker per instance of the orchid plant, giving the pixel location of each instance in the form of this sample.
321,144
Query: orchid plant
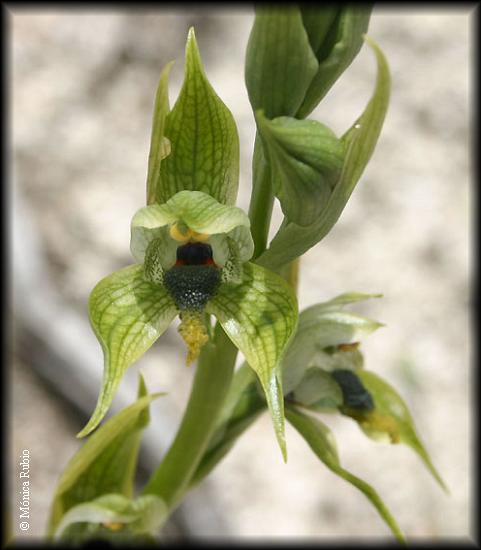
199,257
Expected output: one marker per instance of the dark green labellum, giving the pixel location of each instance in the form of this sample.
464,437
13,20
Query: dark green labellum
355,395
192,286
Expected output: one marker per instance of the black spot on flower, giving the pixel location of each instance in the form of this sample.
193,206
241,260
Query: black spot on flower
354,394
192,286
194,254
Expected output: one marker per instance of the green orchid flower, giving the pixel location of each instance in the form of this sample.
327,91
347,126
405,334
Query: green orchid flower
192,255
192,249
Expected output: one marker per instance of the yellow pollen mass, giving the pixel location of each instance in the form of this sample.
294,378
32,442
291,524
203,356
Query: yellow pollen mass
193,331
181,233
113,526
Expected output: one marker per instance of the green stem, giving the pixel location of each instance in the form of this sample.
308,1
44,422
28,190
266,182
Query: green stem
262,200
211,384
290,272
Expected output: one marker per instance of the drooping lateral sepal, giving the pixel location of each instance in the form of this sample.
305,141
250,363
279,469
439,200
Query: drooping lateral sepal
260,315
127,314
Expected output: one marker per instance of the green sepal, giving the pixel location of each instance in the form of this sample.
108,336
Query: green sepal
280,64
159,144
319,24
259,315
144,515
127,314
106,461
321,440
306,158
339,46
391,420
203,137
321,326
359,141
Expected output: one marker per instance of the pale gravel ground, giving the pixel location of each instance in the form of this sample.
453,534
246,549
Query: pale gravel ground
82,95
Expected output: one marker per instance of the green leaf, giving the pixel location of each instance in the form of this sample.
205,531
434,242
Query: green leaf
127,314
391,418
293,240
260,315
242,407
203,136
106,462
321,441
115,511
280,63
336,52
306,160
159,144
321,326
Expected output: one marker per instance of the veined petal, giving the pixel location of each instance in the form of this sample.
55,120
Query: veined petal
127,314
204,214
260,315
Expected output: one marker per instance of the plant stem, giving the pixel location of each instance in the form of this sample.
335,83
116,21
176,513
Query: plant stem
262,200
211,384
290,272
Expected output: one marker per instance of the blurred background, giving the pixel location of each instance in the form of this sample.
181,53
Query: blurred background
83,84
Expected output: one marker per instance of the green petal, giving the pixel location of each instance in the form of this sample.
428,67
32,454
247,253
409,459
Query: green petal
321,326
293,240
204,214
200,212
127,314
106,461
318,391
321,440
239,238
203,135
159,144
391,416
259,315
338,50
280,63
306,160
